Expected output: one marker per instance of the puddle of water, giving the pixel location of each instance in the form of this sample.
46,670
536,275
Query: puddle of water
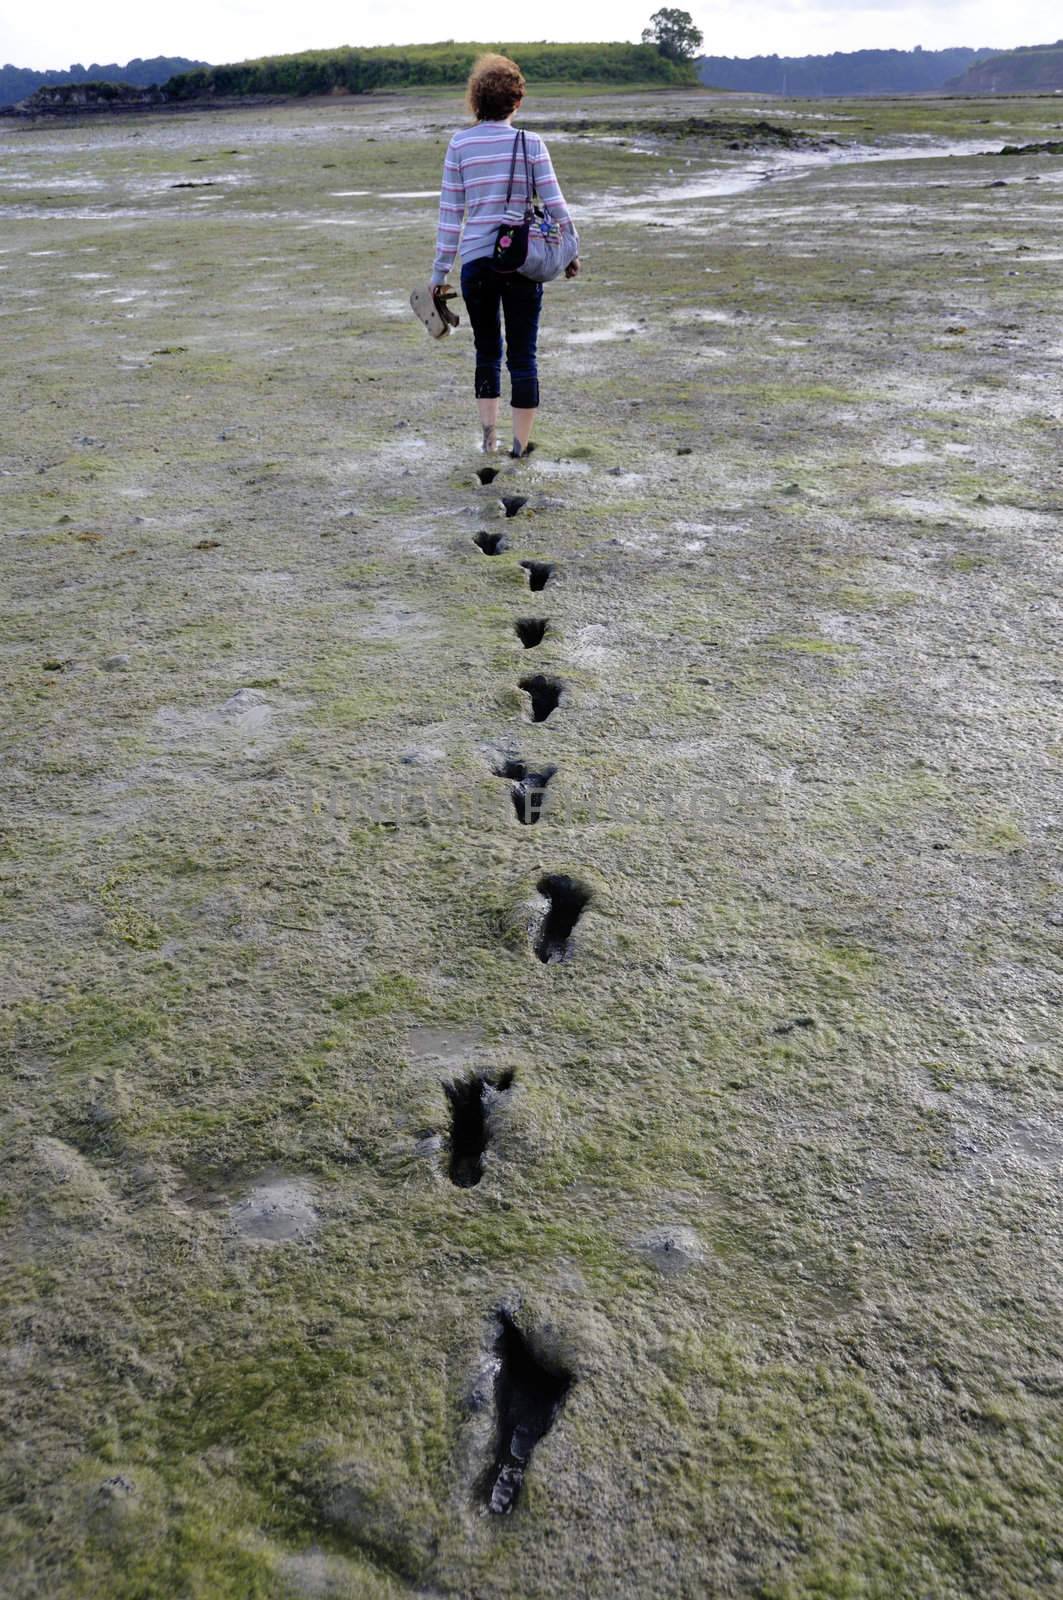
63,183
698,314
347,194
791,164
410,194
804,116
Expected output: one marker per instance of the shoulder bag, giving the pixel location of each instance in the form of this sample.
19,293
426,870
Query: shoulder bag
536,247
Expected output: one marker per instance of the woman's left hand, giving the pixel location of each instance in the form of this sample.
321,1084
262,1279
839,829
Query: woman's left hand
572,270
441,293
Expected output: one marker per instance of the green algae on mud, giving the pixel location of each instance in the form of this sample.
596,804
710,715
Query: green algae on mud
778,1181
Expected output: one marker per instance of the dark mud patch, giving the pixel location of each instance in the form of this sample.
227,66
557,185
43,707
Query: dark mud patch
544,694
715,130
471,1100
528,787
487,474
492,544
531,631
793,1024
567,899
529,1394
1047,147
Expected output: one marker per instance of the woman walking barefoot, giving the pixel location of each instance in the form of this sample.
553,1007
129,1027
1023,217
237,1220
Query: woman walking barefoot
475,174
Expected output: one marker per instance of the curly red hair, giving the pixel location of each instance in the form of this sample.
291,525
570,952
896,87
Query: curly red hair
495,88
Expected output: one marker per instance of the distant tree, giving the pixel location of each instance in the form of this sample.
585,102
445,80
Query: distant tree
674,34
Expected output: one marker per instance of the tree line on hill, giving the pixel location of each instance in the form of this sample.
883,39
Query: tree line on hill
386,67
16,83
844,72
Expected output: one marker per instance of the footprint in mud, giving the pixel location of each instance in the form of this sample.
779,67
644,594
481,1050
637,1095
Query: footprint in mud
514,503
492,544
544,694
539,573
471,1101
529,1394
528,788
487,474
531,631
567,899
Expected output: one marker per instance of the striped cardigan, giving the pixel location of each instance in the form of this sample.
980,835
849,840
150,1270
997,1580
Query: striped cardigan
475,174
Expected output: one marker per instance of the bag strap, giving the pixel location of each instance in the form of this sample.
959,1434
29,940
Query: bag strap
513,164
521,143
528,184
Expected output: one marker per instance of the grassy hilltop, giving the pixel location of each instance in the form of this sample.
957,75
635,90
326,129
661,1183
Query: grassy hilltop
391,67
1033,69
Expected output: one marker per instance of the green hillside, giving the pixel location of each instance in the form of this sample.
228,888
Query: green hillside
1037,67
359,71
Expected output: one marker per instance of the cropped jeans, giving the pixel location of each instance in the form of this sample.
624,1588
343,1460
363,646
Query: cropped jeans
489,294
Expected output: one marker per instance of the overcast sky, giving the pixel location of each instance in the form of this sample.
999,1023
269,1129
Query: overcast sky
58,32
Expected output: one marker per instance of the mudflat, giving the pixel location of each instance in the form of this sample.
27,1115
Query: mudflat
532,1041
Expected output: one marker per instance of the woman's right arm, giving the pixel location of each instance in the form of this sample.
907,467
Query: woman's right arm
451,215
548,188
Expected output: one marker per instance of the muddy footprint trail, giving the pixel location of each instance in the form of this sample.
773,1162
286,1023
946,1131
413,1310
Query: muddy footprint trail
528,1395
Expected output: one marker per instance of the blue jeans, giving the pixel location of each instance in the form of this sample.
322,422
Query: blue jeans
487,294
